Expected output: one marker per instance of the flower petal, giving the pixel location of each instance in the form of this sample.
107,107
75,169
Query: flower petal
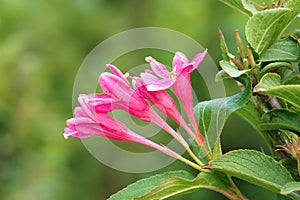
111,83
198,59
101,102
79,112
179,61
117,72
158,68
149,78
86,108
149,71
161,84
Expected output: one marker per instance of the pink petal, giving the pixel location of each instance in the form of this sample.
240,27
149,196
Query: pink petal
161,84
109,82
149,78
149,71
101,102
179,61
117,72
158,68
186,70
83,100
198,59
79,112
137,83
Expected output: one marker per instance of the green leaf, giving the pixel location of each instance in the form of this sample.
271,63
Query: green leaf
249,6
290,187
287,49
254,167
287,19
212,114
291,79
260,28
238,5
273,66
252,116
221,75
232,70
268,81
223,46
143,186
177,185
270,85
280,119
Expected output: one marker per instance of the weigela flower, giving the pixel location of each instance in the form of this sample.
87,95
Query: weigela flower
118,94
87,122
178,79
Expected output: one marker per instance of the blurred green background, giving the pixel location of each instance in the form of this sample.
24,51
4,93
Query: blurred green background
42,44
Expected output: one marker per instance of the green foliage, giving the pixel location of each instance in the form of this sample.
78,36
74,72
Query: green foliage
252,116
294,6
260,28
280,119
232,70
273,66
176,185
270,85
286,49
143,186
290,187
238,5
254,167
212,115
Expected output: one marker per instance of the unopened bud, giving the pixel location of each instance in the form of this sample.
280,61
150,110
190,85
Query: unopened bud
240,44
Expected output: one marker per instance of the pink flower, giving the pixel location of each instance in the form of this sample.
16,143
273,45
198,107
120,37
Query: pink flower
179,79
161,100
119,95
87,122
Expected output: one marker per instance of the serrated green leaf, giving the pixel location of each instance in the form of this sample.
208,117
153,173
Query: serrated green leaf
261,27
238,5
254,167
287,19
287,49
290,187
143,186
273,66
268,81
270,85
175,186
212,114
232,70
280,119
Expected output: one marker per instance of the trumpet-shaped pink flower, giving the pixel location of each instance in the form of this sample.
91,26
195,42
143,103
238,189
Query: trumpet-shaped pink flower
162,101
87,122
119,95
179,79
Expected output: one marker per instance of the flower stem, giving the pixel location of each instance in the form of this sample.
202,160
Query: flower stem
186,161
194,156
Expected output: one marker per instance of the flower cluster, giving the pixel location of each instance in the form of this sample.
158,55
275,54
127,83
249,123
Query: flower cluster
92,116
